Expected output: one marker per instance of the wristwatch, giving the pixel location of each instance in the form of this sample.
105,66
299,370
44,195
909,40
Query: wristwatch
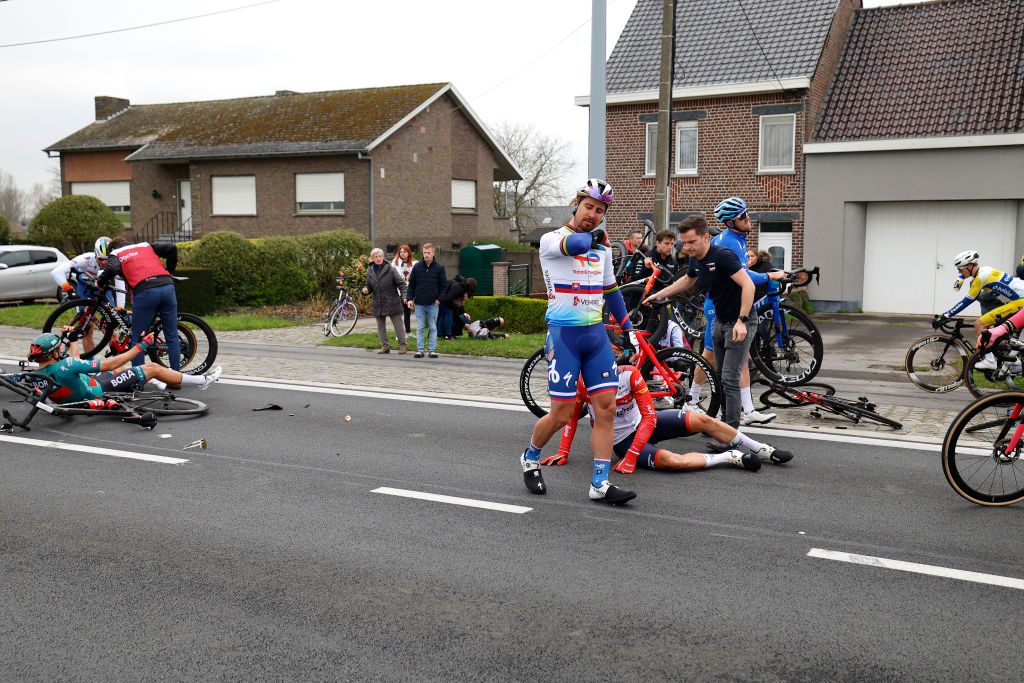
744,319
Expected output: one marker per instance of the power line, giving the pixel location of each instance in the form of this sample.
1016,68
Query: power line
134,28
759,47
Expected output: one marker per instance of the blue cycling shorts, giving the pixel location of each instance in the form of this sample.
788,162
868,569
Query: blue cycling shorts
709,325
572,351
672,424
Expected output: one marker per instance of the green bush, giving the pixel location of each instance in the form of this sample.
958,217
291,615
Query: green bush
234,262
73,223
286,280
5,230
325,253
521,314
196,294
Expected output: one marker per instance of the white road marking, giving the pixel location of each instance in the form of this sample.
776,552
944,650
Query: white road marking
96,450
844,438
452,500
932,570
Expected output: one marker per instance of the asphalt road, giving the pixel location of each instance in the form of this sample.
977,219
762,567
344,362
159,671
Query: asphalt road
270,556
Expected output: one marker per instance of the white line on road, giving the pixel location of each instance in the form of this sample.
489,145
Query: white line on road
452,500
976,577
77,448
844,438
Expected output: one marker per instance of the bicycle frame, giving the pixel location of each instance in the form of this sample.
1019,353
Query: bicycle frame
38,399
773,299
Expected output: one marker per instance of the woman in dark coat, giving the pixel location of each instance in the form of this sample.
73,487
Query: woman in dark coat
388,288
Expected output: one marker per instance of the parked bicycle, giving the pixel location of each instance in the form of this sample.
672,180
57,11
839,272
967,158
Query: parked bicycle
822,397
343,313
936,362
787,347
981,452
99,315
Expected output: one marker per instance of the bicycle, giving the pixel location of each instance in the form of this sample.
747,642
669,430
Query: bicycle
981,451
787,347
1008,372
936,362
197,340
781,395
621,255
343,313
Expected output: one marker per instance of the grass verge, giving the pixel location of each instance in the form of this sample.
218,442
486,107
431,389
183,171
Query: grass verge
33,315
515,346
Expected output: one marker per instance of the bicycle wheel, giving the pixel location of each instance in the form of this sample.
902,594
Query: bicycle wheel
90,322
796,319
974,457
160,403
857,411
796,362
778,399
343,318
936,363
619,259
533,384
1007,374
197,341
691,315
684,363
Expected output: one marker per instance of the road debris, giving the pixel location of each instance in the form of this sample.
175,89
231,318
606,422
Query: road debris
269,406
199,443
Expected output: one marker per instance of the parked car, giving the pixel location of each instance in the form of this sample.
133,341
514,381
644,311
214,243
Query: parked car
25,272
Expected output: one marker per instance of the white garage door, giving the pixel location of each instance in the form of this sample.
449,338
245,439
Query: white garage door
909,250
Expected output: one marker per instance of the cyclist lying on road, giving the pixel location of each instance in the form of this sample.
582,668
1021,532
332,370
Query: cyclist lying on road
482,329
638,425
81,380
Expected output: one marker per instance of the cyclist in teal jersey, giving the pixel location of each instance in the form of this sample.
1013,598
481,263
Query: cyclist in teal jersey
578,274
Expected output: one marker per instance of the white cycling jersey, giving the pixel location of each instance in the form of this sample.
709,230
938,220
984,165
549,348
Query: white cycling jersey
86,264
627,412
576,285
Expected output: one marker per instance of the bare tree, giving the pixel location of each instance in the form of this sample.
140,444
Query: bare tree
41,194
12,199
543,159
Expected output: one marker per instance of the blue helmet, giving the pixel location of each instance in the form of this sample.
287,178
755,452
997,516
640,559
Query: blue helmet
730,208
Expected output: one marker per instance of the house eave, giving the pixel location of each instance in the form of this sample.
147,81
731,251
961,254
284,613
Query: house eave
898,144
694,92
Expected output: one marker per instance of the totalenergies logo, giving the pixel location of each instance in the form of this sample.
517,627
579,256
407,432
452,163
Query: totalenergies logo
587,260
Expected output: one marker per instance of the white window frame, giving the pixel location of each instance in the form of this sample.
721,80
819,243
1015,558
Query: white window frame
650,151
459,191
772,119
687,125
327,190
235,182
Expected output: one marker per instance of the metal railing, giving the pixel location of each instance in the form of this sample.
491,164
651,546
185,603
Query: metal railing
164,227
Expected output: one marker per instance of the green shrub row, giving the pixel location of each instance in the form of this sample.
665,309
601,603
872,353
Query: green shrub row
521,314
194,293
275,270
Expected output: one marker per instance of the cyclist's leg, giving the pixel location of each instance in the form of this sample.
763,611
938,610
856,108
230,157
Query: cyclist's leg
85,292
563,371
127,380
144,307
997,315
600,376
169,320
700,378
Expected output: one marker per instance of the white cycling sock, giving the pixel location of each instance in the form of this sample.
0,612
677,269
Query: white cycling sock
745,441
746,400
695,390
157,383
193,379
712,459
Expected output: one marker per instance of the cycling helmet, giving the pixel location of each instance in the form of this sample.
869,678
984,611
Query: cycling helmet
965,258
43,345
729,209
596,189
102,248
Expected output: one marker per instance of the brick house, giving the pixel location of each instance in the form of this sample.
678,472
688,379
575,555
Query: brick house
743,104
397,164
918,155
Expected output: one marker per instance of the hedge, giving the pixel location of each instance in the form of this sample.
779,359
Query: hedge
521,314
73,224
195,295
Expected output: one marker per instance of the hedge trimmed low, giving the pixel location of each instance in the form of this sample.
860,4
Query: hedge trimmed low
521,314
194,294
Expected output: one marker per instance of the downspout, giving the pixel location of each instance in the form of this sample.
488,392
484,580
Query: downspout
373,204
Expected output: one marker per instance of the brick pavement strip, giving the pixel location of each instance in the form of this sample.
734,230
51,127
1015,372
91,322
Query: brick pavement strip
399,373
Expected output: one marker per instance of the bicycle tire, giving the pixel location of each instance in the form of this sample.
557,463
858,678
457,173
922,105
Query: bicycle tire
92,314
1003,377
198,351
930,367
534,397
856,411
160,403
971,460
343,318
797,319
790,365
786,401
685,362
691,317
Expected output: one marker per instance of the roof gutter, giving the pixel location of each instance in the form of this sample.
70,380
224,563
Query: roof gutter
894,144
373,205
693,92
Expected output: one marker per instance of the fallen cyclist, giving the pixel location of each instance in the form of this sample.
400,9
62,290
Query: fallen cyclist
82,380
638,425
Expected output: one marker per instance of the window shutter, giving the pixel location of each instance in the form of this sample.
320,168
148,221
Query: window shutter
319,187
234,195
464,194
111,193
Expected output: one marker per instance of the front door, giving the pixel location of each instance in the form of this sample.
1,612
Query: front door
185,207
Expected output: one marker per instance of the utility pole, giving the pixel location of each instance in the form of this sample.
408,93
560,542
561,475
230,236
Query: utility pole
595,150
664,146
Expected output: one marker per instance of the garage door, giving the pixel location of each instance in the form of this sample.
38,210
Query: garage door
909,250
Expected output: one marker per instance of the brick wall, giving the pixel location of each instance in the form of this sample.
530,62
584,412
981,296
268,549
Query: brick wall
162,178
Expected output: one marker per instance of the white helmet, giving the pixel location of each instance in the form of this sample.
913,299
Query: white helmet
965,258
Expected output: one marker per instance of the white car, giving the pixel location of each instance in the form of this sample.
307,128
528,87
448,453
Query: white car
25,272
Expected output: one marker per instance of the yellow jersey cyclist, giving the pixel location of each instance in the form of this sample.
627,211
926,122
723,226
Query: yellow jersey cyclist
1004,292
83,380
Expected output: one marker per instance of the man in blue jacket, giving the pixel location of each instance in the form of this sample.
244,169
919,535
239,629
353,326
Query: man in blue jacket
427,285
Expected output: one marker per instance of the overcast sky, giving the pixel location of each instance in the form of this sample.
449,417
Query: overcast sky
521,61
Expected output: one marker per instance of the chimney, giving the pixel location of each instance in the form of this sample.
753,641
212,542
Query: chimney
108,106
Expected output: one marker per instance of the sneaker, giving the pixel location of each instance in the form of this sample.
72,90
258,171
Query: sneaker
612,495
418,354
748,461
986,363
532,476
432,355
774,455
211,377
755,418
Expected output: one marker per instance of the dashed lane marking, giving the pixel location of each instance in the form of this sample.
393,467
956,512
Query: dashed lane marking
95,450
914,567
452,500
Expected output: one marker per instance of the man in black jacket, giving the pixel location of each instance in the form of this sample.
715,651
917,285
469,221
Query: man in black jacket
427,285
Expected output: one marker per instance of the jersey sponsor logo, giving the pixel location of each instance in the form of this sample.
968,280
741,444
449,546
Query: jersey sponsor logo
580,301
587,259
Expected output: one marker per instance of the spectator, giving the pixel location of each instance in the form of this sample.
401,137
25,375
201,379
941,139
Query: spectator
404,262
760,262
483,329
388,288
427,285
458,292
